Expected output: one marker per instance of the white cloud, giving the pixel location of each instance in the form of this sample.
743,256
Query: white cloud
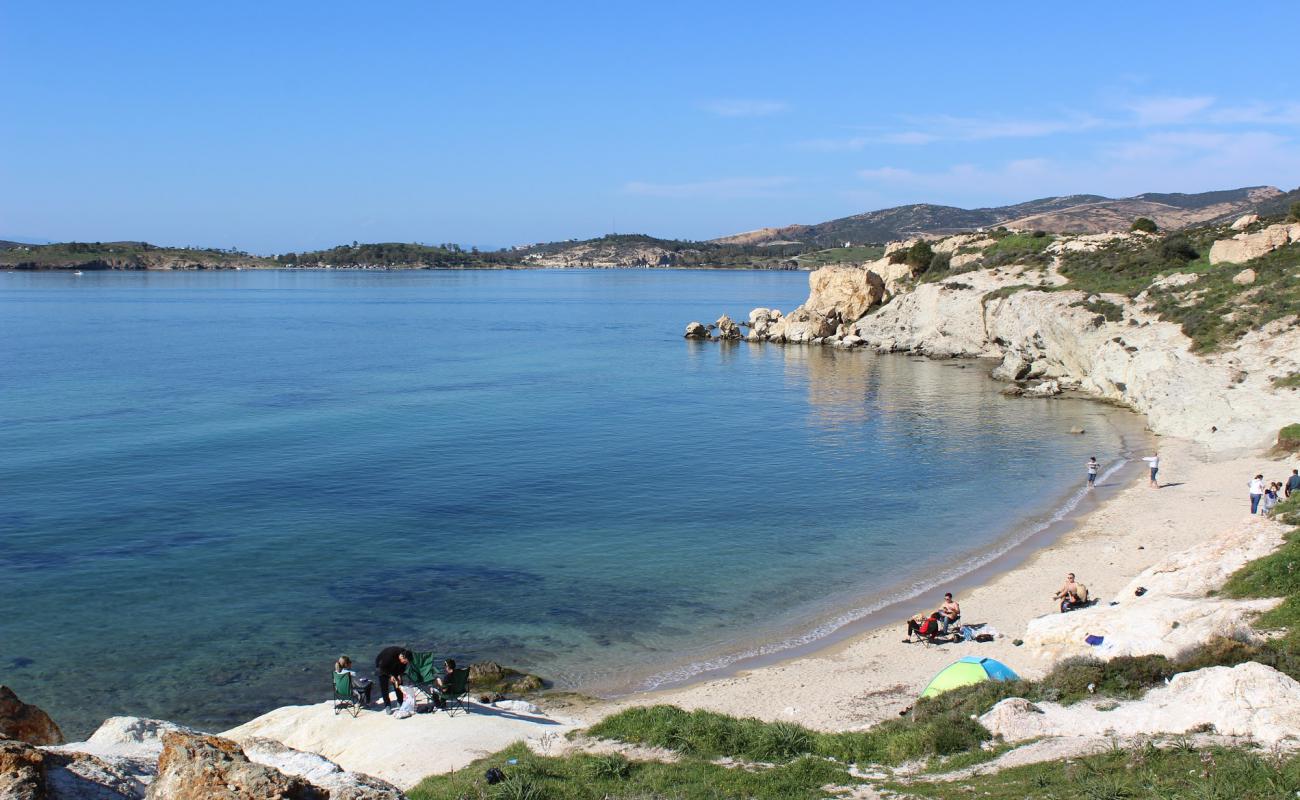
730,188
744,108
1168,110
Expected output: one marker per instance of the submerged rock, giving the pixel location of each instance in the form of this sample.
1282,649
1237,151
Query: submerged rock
696,330
24,722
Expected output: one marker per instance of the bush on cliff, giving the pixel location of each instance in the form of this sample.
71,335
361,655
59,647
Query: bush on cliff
1144,224
919,256
1018,248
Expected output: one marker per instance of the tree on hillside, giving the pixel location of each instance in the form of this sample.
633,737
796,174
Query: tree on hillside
1144,224
919,256
1295,211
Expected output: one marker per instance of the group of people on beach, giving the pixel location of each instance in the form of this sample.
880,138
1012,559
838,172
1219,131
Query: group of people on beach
1153,463
1264,497
390,666
930,627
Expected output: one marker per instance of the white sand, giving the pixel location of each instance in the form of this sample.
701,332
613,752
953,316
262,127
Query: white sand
871,678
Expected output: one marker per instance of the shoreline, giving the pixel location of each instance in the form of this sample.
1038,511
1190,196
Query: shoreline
866,674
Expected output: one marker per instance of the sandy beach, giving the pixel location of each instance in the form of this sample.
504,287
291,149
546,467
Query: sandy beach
871,677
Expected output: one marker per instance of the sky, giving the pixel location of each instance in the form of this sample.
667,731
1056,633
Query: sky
279,126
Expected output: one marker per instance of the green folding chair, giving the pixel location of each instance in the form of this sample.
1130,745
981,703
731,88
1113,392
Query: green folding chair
456,689
344,698
421,674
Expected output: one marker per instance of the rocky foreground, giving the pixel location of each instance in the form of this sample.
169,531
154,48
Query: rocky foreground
1048,338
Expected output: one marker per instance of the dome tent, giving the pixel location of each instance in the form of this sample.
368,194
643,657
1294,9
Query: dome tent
967,671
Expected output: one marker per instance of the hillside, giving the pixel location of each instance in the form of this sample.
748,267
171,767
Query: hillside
122,256
1080,213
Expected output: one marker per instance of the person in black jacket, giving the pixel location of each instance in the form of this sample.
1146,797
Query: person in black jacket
391,666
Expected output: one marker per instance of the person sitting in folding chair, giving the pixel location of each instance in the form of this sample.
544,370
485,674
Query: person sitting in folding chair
451,687
442,683
361,687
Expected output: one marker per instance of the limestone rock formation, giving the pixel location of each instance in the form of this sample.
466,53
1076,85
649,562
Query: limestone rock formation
802,326
320,771
1244,278
1249,700
198,767
1194,572
82,776
848,292
24,722
1245,221
22,771
761,321
696,330
1245,246
727,328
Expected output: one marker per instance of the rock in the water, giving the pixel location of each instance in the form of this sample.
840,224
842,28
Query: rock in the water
1044,389
1078,431
196,767
1012,368
761,321
24,722
727,328
481,672
696,330
1244,222
802,325
528,683
1244,278
22,771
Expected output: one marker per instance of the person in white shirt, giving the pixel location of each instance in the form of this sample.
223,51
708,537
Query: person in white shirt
1154,461
1092,472
1256,492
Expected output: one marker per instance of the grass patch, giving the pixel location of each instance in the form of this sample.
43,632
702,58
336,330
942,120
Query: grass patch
1018,248
1006,291
1139,772
1111,312
1291,381
595,777
842,255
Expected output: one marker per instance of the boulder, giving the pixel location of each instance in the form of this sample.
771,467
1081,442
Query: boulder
22,771
1194,572
481,672
198,767
846,292
1244,222
1249,700
320,771
802,325
696,330
24,722
1244,278
82,776
1044,389
761,321
1013,367
1245,246
727,328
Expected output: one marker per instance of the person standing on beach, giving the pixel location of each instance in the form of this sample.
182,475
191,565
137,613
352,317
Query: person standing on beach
1293,482
1256,492
1154,461
1092,472
391,666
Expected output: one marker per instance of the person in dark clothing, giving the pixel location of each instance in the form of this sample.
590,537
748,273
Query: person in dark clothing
443,681
391,666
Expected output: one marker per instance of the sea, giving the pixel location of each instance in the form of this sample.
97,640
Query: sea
212,484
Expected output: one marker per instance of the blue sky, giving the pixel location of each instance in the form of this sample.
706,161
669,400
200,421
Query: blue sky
276,126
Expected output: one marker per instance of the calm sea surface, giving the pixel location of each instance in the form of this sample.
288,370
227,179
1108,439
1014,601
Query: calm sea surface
211,485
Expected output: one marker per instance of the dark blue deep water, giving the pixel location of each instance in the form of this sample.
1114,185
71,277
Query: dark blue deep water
213,484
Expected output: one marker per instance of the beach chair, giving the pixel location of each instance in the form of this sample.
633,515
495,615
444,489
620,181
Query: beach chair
456,690
421,674
344,698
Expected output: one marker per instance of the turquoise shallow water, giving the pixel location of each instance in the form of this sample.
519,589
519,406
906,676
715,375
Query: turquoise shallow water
213,484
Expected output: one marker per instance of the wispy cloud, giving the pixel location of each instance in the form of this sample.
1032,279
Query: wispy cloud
1168,110
926,130
735,107
723,188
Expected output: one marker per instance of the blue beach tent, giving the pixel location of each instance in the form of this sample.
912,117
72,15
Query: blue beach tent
967,671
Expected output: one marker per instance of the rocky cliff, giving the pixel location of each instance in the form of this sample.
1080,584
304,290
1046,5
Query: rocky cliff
1038,331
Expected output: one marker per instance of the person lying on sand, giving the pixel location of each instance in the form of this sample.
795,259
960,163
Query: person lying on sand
1072,594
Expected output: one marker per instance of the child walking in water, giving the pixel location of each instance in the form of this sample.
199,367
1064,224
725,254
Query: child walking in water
1092,472
1154,461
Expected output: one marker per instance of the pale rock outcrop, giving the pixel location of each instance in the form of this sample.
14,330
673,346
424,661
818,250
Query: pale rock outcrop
196,767
1089,243
960,260
1044,389
24,722
1194,572
1244,278
696,330
761,321
320,771
1246,246
848,292
802,326
1245,221
22,771
1164,626
1249,700
727,328
81,776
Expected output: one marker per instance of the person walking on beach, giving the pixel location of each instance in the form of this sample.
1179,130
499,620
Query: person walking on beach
1293,482
1092,472
1154,461
391,666
1256,492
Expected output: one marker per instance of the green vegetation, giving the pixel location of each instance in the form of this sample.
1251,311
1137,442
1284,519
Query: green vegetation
1291,381
1127,267
1144,224
124,255
1018,248
1111,312
398,254
1293,213
1143,771
1288,439
919,256
841,255
596,777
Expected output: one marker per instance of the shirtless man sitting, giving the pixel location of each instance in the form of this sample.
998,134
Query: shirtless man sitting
1072,595
949,612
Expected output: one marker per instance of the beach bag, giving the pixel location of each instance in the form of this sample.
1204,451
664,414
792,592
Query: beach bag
494,776
408,703
984,637
928,627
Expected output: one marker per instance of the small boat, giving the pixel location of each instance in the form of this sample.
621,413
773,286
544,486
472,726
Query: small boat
78,272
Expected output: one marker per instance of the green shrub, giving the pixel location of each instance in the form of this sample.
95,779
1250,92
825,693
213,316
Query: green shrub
1294,214
1144,224
919,256
1288,438
1018,248
1111,312
1291,381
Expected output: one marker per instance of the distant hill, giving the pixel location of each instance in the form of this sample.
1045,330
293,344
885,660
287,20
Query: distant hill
123,256
1078,213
